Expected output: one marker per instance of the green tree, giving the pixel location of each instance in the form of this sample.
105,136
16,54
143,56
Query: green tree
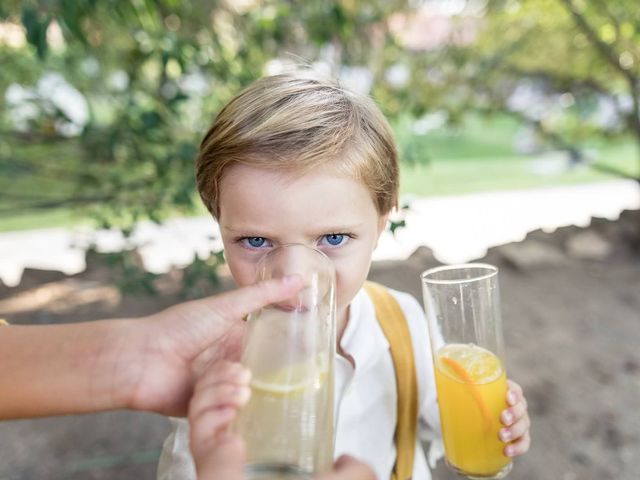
153,74
582,56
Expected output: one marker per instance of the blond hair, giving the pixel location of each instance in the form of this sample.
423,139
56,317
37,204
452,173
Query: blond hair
296,123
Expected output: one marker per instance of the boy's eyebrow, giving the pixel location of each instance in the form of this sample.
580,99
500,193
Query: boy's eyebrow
224,226
330,228
242,230
337,228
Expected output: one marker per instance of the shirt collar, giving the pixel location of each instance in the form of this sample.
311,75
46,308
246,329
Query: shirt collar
363,337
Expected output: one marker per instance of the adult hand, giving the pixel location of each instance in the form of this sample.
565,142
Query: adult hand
179,343
143,364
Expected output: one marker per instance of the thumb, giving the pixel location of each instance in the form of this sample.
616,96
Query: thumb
238,303
206,322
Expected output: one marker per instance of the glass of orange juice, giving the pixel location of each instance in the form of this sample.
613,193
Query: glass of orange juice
462,303
288,424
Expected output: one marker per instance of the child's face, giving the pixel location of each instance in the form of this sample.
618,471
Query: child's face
261,209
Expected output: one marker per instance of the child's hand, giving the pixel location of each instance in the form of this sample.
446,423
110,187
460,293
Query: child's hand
217,396
515,418
218,453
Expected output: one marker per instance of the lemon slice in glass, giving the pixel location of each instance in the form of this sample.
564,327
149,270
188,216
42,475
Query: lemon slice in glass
293,379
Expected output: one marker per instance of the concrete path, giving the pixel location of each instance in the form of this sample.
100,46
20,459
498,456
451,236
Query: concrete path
456,228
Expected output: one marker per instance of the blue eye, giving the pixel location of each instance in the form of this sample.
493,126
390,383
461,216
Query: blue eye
255,242
334,239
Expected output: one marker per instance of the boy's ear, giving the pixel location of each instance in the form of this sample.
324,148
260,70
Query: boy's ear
382,223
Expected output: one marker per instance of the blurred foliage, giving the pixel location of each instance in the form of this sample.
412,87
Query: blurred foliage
128,271
152,75
201,275
578,61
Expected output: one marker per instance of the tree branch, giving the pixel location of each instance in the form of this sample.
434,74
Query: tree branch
563,144
605,50
602,4
31,137
611,57
52,204
563,79
614,171
48,171
23,196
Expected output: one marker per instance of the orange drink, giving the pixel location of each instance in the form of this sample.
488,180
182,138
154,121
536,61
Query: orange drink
472,388
462,303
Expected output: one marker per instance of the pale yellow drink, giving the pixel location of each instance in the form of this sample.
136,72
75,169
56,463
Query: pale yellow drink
289,417
289,410
471,384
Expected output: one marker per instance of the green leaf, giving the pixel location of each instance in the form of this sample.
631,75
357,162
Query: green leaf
150,120
396,225
36,30
71,16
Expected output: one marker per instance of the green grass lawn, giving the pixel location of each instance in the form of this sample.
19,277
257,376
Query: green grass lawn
48,219
481,157
477,157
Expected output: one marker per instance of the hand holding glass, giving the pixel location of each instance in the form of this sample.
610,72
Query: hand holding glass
288,424
462,304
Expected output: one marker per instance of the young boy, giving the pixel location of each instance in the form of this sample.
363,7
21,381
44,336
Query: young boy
294,159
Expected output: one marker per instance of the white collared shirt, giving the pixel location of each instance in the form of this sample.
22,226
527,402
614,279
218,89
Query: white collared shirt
365,396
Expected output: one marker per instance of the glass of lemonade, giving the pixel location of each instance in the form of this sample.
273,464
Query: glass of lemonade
462,303
288,424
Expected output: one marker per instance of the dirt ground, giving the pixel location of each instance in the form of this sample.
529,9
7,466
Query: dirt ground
571,309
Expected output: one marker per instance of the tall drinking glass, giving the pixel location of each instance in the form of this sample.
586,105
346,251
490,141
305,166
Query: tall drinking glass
462,303
288,424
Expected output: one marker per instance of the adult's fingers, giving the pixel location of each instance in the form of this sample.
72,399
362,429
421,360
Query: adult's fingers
348,468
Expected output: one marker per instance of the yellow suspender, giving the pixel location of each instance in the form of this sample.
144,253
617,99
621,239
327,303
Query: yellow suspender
396,329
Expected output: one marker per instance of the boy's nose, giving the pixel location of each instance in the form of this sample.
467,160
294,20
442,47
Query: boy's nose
292,261
300,260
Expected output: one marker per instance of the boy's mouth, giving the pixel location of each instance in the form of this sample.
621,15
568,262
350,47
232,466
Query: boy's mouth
291,307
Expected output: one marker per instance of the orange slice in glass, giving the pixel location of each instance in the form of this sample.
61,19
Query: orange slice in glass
461,373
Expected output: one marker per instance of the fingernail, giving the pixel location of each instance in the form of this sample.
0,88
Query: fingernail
240,373
505,434
509,451
511,398
244,376
507,417
289,279
226,413
242,395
